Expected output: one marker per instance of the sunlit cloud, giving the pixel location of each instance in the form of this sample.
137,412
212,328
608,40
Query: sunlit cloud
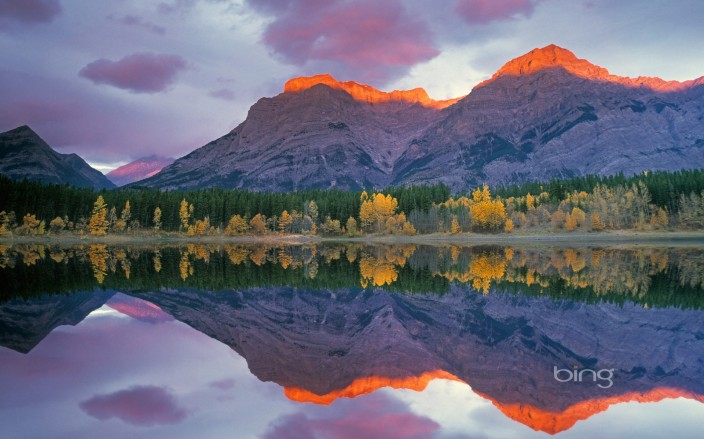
367,40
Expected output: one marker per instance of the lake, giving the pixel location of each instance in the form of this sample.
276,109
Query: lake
351,341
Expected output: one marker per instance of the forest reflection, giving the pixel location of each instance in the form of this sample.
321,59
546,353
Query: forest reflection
647,275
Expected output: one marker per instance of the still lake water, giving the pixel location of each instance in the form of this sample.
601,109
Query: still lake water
351,341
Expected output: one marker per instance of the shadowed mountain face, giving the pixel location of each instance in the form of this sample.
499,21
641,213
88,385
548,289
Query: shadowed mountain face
138,170
545,114
329,344
23,154
23,324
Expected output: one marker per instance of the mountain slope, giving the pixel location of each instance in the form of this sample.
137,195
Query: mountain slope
139,169
23,154
545,114
316,137
549,114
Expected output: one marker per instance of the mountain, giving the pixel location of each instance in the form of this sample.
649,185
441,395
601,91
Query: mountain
545,114
23,154
138,170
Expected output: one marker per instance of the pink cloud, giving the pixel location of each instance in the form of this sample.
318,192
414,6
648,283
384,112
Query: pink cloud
139,72
372,417
486,11
30,11
372,39
138,405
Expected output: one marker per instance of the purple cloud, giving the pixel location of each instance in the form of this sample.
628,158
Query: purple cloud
138,405
486,11
139,72
30,11
223,93
371,39
374,416
139,22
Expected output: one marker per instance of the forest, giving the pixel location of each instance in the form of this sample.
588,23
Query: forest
648,201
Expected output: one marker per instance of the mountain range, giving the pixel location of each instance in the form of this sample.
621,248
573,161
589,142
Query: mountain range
25,155
542,115
546,114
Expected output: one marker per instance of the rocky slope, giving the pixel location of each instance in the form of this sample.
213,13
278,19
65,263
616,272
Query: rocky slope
23,154
545,114
139,169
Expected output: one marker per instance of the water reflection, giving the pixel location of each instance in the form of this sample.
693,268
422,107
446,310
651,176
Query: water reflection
321,338
646,275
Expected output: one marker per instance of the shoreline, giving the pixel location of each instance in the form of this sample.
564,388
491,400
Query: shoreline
463,239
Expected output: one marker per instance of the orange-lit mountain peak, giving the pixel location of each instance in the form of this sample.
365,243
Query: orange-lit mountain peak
548,57
363,386
552,56
554,422
366,93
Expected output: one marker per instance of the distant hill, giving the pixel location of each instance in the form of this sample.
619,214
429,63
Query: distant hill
138,170
23,154
542,115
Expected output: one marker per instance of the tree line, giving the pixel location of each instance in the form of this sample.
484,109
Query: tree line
662,200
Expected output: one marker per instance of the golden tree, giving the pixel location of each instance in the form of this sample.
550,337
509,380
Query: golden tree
351,226
184,213
284,222
157,219
258,224
455,226
376,210
237,226
487,214
98,223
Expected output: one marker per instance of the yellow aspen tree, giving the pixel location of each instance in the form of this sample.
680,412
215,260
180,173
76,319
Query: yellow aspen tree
508,227
258,224
184,213
597,223
98,223
285,220
351,226
157,219
236,226
455,226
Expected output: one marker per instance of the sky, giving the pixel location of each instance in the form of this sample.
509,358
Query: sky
114,81
115,375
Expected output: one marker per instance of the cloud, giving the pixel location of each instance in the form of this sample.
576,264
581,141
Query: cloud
223,93
139,72
373,417
367,39
30,11
487,11
138,22
138,405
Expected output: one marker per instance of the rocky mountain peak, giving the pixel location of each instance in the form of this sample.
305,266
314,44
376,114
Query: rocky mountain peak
555,57
367,93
